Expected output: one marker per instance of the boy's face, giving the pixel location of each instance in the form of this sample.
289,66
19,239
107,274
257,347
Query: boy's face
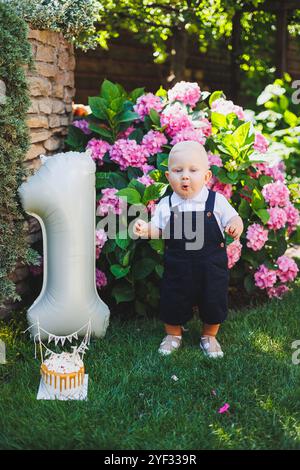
187,174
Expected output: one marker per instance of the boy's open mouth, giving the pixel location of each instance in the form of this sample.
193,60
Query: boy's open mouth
185,186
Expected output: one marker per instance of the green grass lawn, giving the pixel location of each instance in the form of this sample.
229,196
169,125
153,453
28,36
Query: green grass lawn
133,402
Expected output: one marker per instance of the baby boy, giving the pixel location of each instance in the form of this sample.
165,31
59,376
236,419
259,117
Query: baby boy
192,276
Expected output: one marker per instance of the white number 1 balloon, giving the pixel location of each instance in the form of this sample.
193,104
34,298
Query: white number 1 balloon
61,195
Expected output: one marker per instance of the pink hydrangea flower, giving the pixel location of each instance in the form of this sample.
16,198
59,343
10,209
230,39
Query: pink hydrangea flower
83,125
281,166
146,102
151,206
238,110
176,118
260,170
277,218
146,180
126,133
205,126
276,194
101,279
110,202
128,153
223,188
214,159
260,143
292,215
99,148
275,172
287,268
234,251
186,92
101,238
256,236
189,134
146,168
264,277
153,142
277,291
225,107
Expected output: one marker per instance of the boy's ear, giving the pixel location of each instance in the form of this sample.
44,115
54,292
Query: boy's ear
167,174
208,175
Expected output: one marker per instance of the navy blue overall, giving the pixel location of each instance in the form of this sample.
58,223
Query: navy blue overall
194,276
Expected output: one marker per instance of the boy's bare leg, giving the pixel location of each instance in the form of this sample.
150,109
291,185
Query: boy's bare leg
210,330
174,330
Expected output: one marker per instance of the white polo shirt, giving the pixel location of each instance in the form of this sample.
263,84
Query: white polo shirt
223,211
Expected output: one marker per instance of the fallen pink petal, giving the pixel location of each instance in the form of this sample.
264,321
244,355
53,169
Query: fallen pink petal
224,408
214,392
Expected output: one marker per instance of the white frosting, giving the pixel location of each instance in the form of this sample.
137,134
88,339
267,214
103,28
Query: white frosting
64,363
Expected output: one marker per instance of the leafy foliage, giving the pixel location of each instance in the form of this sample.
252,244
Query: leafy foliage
280,120
74,19
90,23
15,53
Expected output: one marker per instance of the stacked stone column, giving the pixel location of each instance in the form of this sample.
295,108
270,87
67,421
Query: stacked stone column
51,89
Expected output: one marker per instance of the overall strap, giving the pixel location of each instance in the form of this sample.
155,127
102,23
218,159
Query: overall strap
210,201
174,209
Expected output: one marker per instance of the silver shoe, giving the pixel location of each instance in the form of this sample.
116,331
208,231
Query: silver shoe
210,346
169,344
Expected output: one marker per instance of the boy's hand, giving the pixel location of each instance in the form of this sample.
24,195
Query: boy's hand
140,228
235,227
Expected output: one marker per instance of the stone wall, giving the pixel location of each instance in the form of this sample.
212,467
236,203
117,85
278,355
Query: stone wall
52,90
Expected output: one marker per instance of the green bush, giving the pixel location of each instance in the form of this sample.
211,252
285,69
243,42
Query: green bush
280,120
74,19
15,53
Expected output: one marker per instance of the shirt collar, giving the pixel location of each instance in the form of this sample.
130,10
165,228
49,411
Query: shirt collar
199,197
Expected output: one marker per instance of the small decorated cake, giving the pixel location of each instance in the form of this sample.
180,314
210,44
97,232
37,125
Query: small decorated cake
63,375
